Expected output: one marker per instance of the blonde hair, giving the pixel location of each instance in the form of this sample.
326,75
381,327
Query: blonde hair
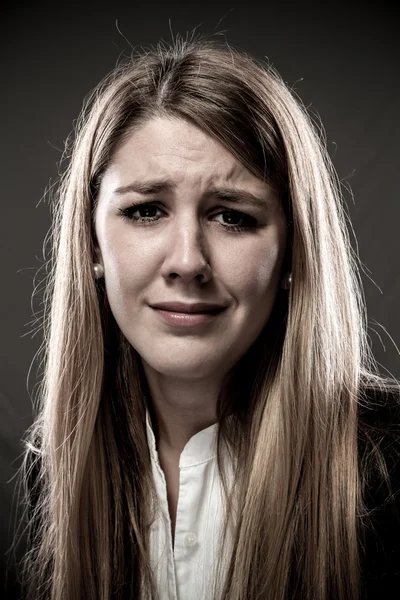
295,514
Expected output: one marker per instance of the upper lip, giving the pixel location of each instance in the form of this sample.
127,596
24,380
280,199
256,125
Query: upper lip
182,307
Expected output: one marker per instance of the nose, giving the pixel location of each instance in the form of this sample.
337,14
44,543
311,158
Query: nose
185,255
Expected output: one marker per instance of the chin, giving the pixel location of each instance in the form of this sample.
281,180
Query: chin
195,369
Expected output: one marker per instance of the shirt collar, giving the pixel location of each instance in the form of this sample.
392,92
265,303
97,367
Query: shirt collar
200,448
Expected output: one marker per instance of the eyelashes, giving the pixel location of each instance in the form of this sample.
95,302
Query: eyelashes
246,223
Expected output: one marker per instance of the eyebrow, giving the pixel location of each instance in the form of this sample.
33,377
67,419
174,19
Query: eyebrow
228,194
241,197
147,187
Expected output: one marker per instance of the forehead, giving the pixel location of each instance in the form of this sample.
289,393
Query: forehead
180,151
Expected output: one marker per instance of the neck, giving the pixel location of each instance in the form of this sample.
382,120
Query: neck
180,408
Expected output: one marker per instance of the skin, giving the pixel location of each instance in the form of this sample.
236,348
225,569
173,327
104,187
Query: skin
186,252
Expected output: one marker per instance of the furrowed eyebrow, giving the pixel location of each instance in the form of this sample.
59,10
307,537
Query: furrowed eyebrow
146,187
240,197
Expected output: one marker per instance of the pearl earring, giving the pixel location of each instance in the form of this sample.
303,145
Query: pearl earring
98,270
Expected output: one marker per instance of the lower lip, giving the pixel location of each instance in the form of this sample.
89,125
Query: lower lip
186,319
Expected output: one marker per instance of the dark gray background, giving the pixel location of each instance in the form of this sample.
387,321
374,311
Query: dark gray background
342,61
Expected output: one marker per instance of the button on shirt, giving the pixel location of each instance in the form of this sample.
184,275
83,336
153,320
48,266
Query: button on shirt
184,571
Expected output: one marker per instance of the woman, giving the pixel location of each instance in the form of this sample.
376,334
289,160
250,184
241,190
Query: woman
211,423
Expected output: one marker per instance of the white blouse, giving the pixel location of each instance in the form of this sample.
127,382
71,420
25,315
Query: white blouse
185,571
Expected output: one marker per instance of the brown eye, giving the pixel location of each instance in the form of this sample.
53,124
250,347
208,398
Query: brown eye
233,218
146,212
237,221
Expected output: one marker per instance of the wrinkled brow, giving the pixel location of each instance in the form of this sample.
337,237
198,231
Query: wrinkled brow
156,186
228,194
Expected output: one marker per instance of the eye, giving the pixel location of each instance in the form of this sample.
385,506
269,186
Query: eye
146,213
147,209
236,220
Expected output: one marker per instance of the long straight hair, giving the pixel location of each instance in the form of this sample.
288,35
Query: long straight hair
295,510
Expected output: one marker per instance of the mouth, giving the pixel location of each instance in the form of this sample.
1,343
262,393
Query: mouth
190,308
188,319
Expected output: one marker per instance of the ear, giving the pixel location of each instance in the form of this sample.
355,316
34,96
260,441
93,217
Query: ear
98,258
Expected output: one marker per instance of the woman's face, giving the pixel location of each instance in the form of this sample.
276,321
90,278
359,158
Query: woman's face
182,242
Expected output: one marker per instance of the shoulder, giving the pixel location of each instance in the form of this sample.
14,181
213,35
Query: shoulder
380,403
379,446
379,419
379,435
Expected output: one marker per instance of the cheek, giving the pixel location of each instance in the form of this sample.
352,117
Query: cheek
255,272
127,258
